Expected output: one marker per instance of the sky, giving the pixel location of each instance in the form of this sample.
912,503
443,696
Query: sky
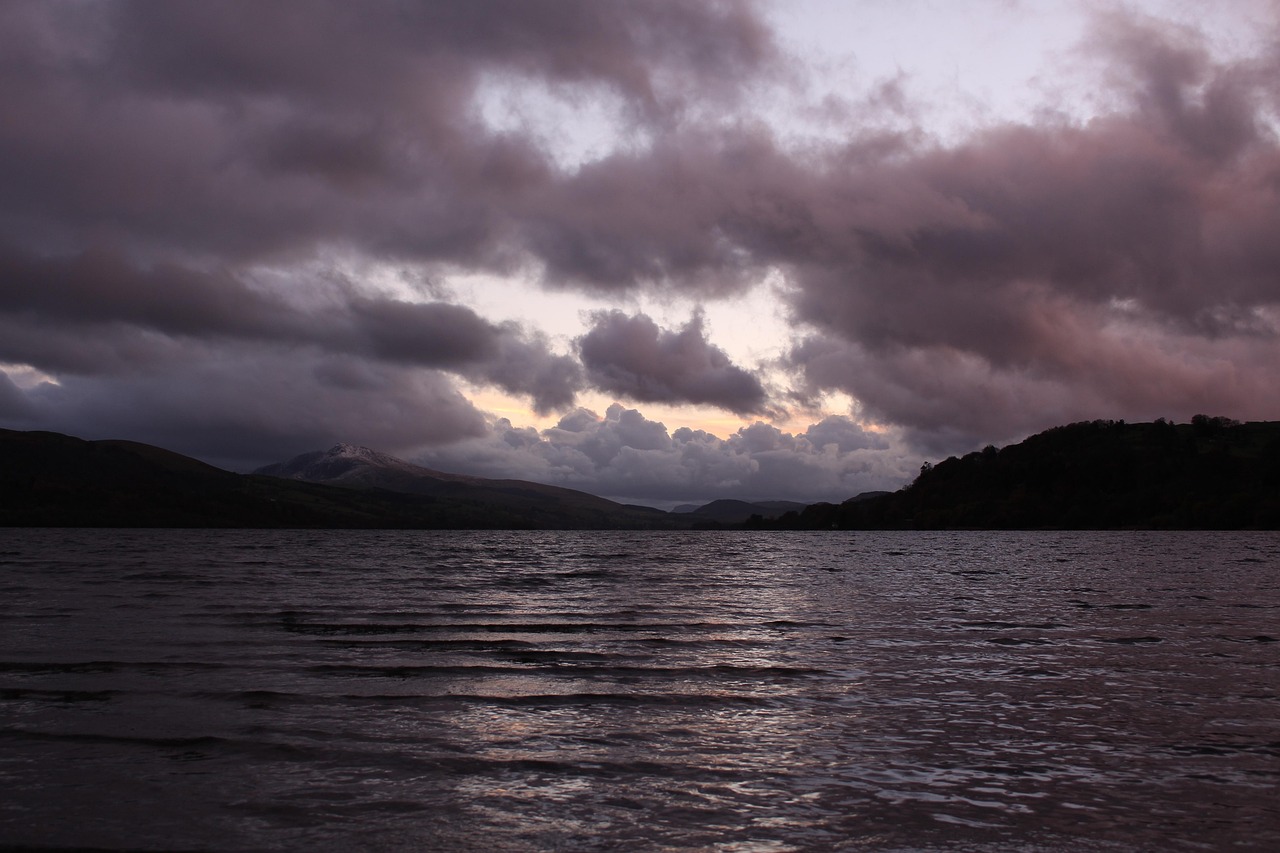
664,252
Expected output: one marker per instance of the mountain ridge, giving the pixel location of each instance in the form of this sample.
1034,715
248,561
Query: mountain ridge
48,479
348,463
358,467
1210,473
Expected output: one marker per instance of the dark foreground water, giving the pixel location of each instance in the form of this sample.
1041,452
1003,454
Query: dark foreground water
343,690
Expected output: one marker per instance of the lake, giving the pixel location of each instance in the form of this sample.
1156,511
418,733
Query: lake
735,691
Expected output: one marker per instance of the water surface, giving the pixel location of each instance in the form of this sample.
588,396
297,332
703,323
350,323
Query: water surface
230,690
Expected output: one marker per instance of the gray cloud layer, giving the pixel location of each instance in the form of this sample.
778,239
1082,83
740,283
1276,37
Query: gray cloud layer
159,160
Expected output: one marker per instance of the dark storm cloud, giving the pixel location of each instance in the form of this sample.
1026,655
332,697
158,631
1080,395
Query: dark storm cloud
274,45
1173,82
71,313
434,333
633,357
258,405
156,353
652,217
526,365
626,456
248,129
14,405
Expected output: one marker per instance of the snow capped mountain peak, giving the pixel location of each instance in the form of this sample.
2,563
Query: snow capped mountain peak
350,464
356,452
344,449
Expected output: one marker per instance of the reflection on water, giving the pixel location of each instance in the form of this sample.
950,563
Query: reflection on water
735,691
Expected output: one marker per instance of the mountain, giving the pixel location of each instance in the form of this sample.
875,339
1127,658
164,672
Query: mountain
1212,473
52,480
522,503
350,465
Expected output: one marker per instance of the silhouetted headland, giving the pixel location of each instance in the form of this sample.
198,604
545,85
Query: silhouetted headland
1212,473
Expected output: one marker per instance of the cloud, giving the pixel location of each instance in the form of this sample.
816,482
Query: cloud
526,365
101,285
214,365
255,131
1034,275
1172,80
436,333
98,313
633,357
13,403
628,457
245,408
1025,276
176,173
173,174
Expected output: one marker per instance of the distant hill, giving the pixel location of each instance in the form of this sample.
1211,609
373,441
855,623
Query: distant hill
1210,473
732,512
52,480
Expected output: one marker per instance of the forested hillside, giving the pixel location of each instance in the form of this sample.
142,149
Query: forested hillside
1210,473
